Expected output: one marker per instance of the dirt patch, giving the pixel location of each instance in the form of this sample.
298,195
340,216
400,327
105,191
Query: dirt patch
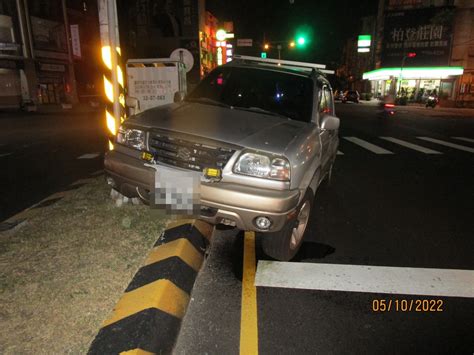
63,270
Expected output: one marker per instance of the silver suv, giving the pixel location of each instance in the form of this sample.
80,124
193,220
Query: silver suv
261,136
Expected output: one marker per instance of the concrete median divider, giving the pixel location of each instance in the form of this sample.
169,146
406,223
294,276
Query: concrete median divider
147,318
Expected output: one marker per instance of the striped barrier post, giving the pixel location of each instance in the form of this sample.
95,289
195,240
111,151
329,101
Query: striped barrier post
114,81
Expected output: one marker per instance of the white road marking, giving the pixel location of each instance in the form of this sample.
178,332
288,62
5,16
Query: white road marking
5,154
340,153
464,139
447,144
411,145
362,278
89,156
369,146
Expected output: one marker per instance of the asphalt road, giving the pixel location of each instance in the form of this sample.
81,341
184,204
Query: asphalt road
39,154
402,206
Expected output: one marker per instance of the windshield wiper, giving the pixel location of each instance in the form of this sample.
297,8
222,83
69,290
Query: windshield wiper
206,101
260,110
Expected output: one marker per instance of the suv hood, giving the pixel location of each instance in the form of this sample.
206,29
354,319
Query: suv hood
243,128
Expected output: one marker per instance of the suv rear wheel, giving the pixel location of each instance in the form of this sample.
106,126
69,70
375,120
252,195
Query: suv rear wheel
284,244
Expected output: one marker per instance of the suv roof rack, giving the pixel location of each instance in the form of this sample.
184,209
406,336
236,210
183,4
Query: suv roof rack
284,63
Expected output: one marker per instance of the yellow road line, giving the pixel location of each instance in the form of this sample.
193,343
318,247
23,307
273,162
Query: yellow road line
161,294
136,352
248,320
181,248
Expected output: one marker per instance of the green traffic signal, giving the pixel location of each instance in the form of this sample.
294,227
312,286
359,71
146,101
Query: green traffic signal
301,41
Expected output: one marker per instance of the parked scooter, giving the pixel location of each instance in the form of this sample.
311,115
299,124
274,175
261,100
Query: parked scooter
432,101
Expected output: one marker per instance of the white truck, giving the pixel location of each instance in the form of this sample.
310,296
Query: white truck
154,82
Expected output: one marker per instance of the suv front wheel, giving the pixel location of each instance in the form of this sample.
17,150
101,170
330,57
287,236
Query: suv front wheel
284,244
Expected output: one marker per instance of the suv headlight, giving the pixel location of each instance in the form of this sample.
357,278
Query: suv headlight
131,137
263,166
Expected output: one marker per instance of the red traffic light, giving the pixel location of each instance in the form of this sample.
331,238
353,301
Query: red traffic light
411,55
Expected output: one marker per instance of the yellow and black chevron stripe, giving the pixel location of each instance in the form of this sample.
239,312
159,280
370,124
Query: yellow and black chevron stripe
147,318
111,96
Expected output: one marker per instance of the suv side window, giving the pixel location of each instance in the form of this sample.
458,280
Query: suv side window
329,100
325,102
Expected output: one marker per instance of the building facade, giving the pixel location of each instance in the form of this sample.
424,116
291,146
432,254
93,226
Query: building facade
155,28
424,47
40,50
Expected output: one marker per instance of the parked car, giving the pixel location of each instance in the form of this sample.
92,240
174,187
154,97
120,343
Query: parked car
351,95
338,95
261,137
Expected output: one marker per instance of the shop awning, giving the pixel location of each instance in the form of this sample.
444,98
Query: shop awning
413,73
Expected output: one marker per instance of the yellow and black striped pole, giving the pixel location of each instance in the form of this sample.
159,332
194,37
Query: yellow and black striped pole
114,81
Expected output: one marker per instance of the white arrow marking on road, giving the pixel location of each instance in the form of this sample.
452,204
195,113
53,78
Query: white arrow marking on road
340,153
411,145
447,144
369,146
362,278
464,139
89,156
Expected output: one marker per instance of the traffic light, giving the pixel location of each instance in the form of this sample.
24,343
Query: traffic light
411,55
263,54
301,41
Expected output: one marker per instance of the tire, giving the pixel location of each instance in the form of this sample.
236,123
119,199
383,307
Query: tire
283,245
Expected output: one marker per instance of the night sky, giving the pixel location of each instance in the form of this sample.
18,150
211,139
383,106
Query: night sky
331,23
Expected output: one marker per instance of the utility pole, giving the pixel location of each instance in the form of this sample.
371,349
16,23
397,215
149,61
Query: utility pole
72,76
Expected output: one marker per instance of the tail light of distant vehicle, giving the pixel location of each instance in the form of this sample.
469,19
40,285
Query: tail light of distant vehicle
389,105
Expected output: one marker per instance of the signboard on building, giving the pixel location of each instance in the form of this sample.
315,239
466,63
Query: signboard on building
75,41
244,42
426,32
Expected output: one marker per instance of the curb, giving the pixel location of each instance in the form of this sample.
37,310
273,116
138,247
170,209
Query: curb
147,318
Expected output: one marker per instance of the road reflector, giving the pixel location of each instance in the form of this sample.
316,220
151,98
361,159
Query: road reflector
147,156
212,173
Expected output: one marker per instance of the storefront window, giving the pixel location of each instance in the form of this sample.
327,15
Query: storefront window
10,41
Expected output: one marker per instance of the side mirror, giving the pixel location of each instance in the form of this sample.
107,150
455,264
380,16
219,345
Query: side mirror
133,104
330,123
178,96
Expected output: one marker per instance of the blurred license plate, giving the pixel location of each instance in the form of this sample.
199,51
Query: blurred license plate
176,191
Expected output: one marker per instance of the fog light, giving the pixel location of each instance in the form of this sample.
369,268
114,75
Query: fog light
263,223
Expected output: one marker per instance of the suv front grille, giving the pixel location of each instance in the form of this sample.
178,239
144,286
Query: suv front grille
187,154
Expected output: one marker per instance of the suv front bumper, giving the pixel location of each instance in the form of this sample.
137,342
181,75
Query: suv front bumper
222,202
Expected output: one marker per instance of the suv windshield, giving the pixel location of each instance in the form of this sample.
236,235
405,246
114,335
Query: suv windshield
263,91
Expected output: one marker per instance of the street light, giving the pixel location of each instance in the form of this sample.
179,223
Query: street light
292,44
266,46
